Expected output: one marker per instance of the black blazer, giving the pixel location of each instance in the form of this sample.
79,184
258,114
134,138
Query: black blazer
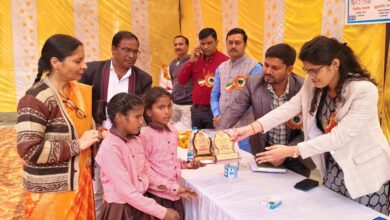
93,77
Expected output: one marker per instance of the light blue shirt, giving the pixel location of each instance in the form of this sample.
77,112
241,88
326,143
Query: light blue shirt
216,91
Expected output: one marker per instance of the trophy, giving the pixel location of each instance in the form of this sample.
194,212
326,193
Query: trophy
224,147
203,147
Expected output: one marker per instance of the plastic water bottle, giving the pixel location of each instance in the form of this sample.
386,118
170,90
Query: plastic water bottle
231,171
190,150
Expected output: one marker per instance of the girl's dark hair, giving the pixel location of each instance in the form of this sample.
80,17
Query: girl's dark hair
59,46
151,97
122,103
323,50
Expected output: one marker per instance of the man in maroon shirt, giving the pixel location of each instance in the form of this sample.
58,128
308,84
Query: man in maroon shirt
201,67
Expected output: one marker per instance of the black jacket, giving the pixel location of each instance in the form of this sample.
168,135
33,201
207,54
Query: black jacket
93,76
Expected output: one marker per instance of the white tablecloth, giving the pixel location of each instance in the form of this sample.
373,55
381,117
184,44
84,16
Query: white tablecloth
240,199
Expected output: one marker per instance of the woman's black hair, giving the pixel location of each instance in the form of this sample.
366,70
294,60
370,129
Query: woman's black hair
59,46
122,103
323,50
151,97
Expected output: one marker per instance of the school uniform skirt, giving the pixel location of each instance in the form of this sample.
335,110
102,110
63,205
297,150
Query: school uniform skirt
114,211
176,205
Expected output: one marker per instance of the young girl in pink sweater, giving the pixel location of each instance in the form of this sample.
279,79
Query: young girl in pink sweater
160,146
125,172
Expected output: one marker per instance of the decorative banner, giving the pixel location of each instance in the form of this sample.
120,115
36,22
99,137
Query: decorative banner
86,27
332,19
198,18
367,11
229,17
140,28
273,23
26,24
25,44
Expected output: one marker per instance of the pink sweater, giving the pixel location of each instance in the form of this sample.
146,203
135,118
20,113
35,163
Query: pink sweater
126,174
160,146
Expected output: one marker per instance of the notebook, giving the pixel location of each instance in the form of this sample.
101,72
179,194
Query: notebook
266,167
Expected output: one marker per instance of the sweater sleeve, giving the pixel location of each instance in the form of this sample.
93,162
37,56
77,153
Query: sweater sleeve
112,166
185,73
33,117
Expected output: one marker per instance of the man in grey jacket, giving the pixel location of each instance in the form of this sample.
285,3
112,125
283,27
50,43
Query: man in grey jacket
265,92
181,94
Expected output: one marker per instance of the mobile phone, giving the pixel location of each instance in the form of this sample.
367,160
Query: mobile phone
306,184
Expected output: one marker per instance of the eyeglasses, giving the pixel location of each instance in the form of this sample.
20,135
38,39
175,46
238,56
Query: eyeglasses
313,72
70,104
129,50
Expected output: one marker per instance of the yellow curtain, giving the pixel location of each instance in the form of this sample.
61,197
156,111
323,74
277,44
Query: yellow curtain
163,27
303,20
26,24
302,23
113,16
251,18
7,79
371,55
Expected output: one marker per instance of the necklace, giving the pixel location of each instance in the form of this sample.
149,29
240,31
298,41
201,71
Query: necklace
61,92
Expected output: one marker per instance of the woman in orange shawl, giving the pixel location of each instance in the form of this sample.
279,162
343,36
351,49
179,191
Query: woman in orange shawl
54,135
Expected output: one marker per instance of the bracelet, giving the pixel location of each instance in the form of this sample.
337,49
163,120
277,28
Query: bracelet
253,129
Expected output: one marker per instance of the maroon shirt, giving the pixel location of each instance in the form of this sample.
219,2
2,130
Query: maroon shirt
198,71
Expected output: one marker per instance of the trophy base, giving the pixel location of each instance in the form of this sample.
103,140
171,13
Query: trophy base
229,156
205,159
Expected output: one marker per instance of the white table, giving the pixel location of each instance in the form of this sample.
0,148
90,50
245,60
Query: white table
240,199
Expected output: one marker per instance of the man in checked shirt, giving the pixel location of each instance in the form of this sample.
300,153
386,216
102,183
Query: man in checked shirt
265,92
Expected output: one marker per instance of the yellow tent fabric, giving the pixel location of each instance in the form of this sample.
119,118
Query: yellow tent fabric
7,79
302,21
26,24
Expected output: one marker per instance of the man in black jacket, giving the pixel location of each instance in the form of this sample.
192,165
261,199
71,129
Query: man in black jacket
108,78
116,75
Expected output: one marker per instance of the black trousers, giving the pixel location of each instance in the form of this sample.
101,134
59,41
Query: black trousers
201,117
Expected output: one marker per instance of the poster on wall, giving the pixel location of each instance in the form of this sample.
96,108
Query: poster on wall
367,11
